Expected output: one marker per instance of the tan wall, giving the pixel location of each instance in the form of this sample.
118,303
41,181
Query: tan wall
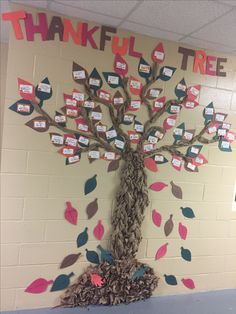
3,74
36,183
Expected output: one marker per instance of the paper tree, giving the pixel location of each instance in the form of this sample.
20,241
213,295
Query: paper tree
121,278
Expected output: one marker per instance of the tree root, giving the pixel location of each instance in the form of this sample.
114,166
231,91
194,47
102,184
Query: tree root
118,285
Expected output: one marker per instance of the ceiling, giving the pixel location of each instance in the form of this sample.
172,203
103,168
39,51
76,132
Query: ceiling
206,24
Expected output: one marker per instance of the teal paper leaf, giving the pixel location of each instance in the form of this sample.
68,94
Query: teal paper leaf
120,142
166,73
139,272
159,159
144,68
224,145
191,153
112,79
106,256
23,107
92,257
61,282
187,212
180,89
186,254
172,109
208,112
138,126
90,185
170,280
82,238
178,132
43,90
95,80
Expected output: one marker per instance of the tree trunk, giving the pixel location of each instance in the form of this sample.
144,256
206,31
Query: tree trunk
131,201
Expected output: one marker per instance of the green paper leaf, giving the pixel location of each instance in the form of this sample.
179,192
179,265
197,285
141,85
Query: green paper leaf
178,132
170,280
23,106
166,73
144,68
106,256
92,257
112,79
61,282
180,89
82,238
90,185
43,90
187,212
208,112
95,80
139,272
186,254
224,145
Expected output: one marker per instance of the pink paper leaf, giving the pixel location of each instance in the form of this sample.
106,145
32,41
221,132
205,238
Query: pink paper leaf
156,218
99,230
38,286
26,89
183,231
71,214
150,164
161,252
158,186
169,122
189,283
96,280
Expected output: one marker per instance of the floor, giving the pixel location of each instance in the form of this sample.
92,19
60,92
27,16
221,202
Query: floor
218,302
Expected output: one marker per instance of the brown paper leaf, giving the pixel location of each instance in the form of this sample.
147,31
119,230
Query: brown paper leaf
113,165
69,260
79,74
168,227
117,99
152,91
176,190
92,208
39,124
56,139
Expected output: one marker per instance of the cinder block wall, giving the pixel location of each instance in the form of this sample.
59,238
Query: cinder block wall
36,183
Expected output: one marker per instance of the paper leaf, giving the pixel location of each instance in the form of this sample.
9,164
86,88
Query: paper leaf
193,92
180,89
189,283
90,185
96,280
117,99
183,231
56,139
169,122
161,252
92,208
160,159
174,109
92,256
153,93
61,282
168,227
39,124
139,272
208,112
135,86
106,256
112,79
98,231
133,136
139,127
190,104
166,73
176,190
187,212
188,135
39,285
60,119
158,186
199,160
194,150
120,65
69,260
95,80
176,162
158,54
178,132
26,89
186,254
150,164
224,145
82,238
71,214
73,159
159,104
170,280
144,69
113,165
128,119
23,107
43,90
79,74
156,218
